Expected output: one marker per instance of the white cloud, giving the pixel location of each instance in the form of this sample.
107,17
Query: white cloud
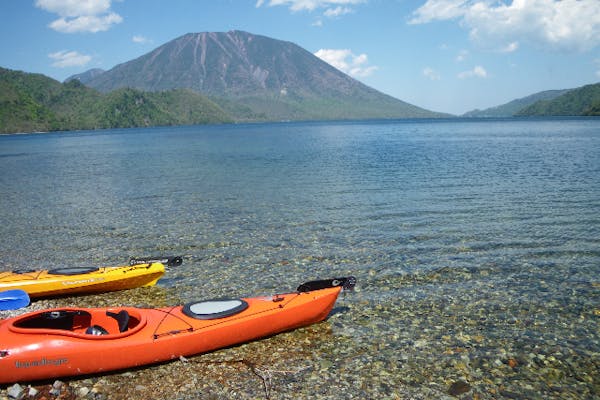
74,8
509,48
569,25
477,72
338,11
308,5
347,62
431,74
140,39
462,55
80,15
597,62
86,23
438,10
64,59
332,8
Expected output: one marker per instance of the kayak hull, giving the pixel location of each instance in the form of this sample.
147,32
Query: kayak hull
39,345
45,283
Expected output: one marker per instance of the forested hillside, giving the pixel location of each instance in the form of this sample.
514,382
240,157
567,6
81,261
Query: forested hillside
34,102
583,101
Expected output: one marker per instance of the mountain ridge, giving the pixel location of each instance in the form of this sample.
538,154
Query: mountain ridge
514,106
582,101
238,77
272,79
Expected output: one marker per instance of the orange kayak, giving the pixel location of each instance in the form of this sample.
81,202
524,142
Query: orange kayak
69,281
77,341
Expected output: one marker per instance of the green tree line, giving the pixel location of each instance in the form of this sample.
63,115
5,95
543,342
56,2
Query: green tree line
34,102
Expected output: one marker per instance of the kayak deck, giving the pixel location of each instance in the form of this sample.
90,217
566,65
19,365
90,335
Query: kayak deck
76,341
47,283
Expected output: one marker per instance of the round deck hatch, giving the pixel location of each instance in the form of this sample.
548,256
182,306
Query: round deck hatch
213,309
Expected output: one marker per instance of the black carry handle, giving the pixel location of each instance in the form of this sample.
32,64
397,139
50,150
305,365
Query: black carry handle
347,283
170,261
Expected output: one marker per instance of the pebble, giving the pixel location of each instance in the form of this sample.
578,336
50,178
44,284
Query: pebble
458,388
409,339
15,391
56,387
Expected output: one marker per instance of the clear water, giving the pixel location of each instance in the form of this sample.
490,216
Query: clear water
485,229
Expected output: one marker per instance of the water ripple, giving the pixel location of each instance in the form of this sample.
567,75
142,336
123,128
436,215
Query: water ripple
475,243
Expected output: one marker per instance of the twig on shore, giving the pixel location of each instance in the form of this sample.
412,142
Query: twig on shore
265,374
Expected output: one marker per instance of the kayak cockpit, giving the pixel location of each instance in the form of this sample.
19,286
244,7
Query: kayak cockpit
86,323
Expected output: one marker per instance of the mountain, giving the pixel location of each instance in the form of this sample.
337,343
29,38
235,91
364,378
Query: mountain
86,76
512,108
583,101
34,102
254,77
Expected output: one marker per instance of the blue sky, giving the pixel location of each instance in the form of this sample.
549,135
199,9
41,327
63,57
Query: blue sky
444,55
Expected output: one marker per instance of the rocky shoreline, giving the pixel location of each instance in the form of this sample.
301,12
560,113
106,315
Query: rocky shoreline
452,333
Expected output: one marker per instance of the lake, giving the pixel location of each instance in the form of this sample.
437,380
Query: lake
476,245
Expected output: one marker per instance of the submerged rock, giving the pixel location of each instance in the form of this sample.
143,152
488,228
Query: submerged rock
458,388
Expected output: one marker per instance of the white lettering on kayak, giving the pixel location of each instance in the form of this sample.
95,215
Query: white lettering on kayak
82,281
41,363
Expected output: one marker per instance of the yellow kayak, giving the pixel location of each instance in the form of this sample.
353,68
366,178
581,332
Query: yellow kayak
67,281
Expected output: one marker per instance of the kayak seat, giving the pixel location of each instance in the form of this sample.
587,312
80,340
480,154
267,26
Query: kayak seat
68,320
122,318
